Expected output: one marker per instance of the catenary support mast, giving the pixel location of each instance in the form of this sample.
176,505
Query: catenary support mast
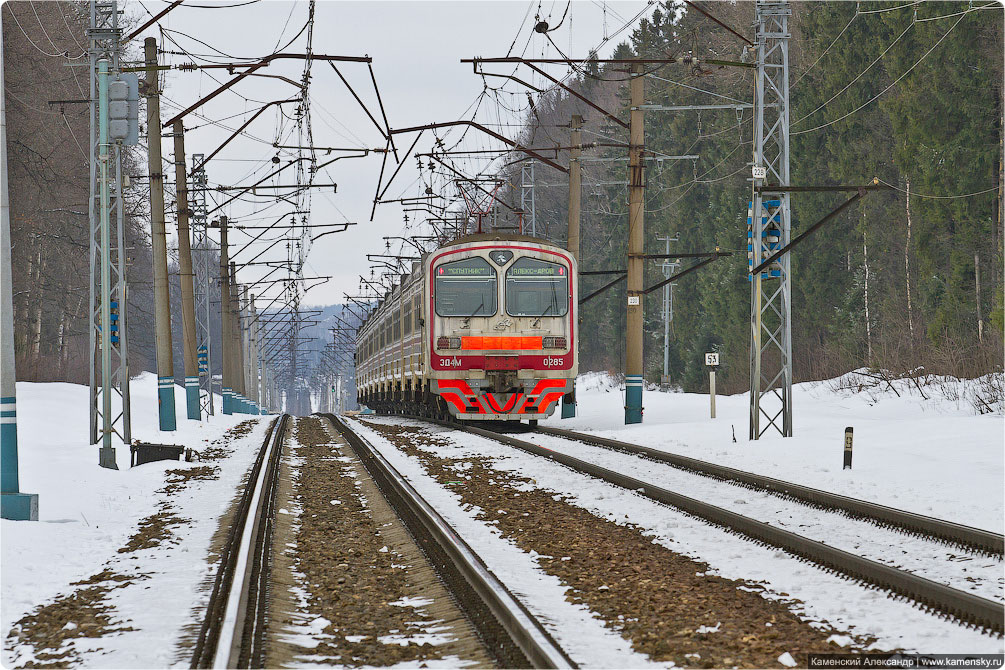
201,260
109,372
769,228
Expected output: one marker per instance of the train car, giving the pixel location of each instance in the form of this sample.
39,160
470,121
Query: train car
483,328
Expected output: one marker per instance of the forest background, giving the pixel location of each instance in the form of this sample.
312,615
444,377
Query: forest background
909,93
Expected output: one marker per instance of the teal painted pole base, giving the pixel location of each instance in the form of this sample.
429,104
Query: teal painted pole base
228,401
633,399
165,403
19,506
192,398
8,445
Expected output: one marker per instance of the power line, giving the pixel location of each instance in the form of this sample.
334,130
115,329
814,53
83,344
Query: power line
42,51
942,197
825,51
895,82
860,75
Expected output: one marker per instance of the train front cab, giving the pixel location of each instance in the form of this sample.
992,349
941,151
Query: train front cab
503,336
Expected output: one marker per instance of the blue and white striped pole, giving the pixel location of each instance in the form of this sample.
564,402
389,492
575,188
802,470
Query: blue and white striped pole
13,504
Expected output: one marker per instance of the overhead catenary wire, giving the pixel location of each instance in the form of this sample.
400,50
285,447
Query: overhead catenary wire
941,197
894,83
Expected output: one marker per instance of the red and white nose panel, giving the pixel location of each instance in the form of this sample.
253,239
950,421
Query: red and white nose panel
463,400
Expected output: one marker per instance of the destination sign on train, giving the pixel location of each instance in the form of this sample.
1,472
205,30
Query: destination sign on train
547,271
455,271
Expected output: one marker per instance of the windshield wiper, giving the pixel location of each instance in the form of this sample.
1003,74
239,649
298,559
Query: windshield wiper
477,309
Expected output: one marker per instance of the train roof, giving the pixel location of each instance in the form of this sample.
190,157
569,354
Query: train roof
499,237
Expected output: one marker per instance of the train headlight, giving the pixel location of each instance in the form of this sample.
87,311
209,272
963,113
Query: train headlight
555,343
448,343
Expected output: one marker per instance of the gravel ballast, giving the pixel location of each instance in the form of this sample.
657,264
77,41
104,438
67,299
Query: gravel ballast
662,602
361,593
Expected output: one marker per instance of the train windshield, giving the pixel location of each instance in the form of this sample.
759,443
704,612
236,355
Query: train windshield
465,288
537,288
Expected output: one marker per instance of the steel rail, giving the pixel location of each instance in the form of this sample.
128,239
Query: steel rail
946,600
499,617
964,536
232,633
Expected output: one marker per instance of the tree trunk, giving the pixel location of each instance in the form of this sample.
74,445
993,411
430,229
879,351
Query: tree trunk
868,324
36,328
907,267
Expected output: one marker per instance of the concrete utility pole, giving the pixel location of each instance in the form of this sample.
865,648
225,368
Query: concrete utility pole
13,504
769,226
636,248
237,351
226,343
187,276
575,184
158,235
250,355
575,198
258,378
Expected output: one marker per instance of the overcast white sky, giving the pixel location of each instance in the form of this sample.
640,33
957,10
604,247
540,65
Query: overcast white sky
416,49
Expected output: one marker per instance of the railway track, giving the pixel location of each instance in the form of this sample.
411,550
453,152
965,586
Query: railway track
966,537
234,627
954,603
509,630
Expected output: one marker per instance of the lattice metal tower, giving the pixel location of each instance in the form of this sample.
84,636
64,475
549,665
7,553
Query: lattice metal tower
202,261
768,228
527,197
109,371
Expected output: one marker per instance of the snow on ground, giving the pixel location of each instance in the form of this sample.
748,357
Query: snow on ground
935,560
931,456
86,513
818,596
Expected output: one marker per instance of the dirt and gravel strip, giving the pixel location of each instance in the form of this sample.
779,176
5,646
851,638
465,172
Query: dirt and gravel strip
50,631
662,602
362,592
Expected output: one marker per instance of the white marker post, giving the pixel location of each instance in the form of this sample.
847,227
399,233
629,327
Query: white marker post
712,361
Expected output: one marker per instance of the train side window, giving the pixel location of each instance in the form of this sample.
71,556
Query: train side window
537,288
465,288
